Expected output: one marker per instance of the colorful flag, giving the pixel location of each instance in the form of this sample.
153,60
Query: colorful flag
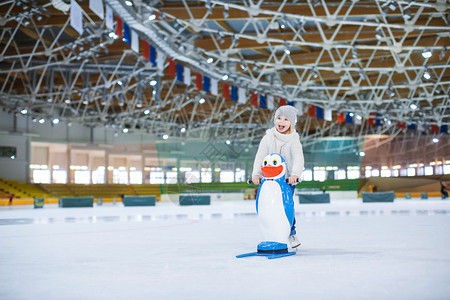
262,101
145,50
180,72
340,117
214,87
234,93
349,118
76,17
172,66
319,112
328,115
97,7
199,81
159,60
153,56
187,76
401,125
134,41
207,84
109,17
226,91
242,95
126,33
270,104
254,98
434,128
312,111
282,102
444,128
119,27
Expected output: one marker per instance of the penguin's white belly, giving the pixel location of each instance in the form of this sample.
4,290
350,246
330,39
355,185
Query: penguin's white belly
271,214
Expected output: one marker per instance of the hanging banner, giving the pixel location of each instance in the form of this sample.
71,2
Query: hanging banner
109,18
180,72
328,115
187,76
126,33
282,102
134,41
119,27
234,93
214,87
319,112
199,81
340,117
206,84
172,67
349,118
153,57
226,91
76,17
97,7
159,60
312,111
262,101
254,99
242,98
270,102
145,50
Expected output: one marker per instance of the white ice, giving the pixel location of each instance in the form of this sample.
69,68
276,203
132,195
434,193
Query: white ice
349,250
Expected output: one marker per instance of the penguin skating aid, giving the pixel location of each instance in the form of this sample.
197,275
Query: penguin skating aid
275,208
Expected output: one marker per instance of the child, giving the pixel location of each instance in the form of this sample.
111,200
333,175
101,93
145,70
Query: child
284,140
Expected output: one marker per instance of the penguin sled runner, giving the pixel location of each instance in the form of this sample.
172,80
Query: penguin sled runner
275,209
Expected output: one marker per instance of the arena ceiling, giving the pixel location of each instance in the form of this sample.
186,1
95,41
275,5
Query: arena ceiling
386,62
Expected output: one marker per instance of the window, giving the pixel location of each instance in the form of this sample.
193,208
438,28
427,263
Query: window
10,152
395,173
428,171
120,176
136,177
307,175
192,176
226,176
411,171
320,175
156,177
59,176
353,172
41,176
386,173
82,177
172,177
446,169
206,176
98,175
340,174
375,173
240,175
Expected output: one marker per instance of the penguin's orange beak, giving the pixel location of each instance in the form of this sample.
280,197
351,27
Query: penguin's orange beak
271,171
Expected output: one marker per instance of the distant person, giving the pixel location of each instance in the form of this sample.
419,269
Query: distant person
11,197
284,140
444,192
324,189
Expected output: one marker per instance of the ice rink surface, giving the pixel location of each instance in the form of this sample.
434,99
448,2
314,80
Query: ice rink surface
349,250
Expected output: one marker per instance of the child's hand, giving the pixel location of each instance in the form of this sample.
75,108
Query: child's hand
293,179
256,180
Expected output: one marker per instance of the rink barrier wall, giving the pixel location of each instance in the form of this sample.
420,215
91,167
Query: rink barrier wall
314,198
378,197
76,202
194,200
139,200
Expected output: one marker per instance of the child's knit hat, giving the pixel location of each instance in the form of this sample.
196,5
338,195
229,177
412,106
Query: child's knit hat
288,111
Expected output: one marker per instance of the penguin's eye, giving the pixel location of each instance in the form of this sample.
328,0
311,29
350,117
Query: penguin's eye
265,162
275,162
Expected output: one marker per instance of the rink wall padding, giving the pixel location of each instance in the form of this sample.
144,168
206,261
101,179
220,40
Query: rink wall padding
139,200
378,197
39,202
195,199
314,198
76,202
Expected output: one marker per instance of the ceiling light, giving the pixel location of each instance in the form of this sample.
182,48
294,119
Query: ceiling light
153,82
225,77
379,34
152,17
413,106
435,140
41,121
24,111
67,101
125,130
183,130
201,101
407,15
362,153
209,60
55,121
128,3
287,51
119,82
426,53
228,142
146,112
165,137
426,74
226,14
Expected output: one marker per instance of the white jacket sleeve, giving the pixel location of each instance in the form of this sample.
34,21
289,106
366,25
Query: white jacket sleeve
298,161
263,150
